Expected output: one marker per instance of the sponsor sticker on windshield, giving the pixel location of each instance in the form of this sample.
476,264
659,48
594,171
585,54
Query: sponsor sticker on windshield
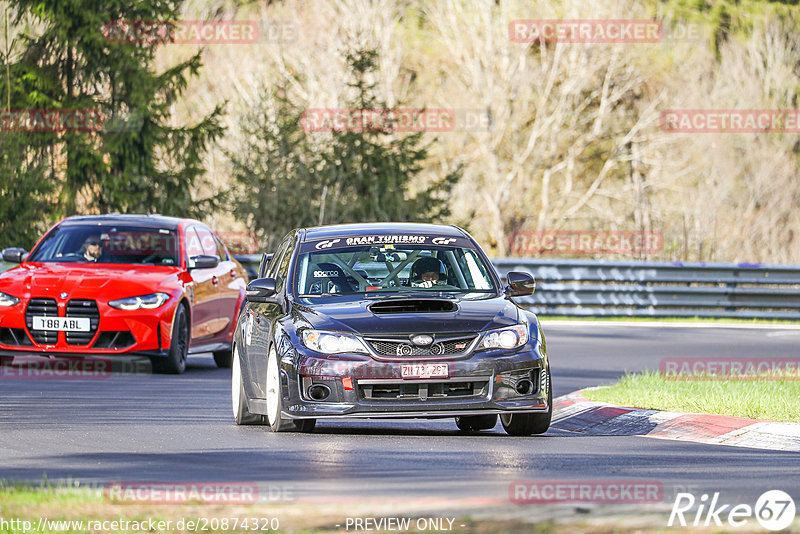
388,241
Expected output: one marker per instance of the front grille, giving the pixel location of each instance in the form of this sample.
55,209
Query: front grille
15,337
423,390
83,308
41,308
403,347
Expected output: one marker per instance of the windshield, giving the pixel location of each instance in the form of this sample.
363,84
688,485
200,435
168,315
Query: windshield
99,243
343,270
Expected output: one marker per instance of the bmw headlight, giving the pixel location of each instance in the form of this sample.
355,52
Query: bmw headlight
505,338
332,342
144,302
7,300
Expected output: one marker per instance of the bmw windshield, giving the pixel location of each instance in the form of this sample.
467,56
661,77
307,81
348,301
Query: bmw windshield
108,243
394,264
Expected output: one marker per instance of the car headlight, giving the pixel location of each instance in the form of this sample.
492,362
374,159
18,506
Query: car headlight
144,302
7,300
505,338
332,342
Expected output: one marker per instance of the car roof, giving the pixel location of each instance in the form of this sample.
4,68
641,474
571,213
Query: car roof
147,221
339,230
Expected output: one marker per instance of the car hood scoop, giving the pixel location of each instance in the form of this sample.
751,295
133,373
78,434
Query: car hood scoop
413,306
395,315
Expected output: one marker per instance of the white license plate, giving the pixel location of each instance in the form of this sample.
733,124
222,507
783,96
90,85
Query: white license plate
425,370
62,324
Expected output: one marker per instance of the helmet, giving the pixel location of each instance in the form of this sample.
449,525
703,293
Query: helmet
428,264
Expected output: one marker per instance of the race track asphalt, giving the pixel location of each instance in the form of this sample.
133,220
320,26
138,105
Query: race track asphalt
180,429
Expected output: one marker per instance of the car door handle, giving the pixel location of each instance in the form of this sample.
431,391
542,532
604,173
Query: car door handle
215,280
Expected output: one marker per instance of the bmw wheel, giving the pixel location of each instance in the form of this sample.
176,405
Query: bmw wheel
223,359
175,362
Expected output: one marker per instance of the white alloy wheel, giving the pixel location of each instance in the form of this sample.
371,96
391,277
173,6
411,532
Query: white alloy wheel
236,383
273,388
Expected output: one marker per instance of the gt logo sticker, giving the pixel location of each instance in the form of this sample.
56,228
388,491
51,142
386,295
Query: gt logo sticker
328,243
443,240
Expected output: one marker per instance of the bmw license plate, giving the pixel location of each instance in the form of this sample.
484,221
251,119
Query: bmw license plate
425,370
62,324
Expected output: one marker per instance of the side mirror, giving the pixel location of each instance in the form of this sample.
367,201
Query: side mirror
14,255
520,284
203,261
261,290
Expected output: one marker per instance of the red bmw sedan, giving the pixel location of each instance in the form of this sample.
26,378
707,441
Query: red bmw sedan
105,285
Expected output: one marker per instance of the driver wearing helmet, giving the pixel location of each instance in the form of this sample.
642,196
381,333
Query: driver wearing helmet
428,272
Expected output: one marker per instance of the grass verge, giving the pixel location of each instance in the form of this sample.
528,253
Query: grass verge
771,400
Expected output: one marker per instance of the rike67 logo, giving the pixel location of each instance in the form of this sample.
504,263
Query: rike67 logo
774,510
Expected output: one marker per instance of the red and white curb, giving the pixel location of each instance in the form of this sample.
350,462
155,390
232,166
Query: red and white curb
576,413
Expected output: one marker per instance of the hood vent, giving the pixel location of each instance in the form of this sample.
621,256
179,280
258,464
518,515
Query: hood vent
413,306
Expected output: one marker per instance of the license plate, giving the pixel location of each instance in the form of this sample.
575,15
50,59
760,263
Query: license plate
62,324
425,370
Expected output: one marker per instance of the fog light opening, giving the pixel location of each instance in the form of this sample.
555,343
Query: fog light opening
319,392
524,387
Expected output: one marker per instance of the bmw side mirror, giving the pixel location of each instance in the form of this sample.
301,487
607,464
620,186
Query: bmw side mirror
14,255
520,284
203,261
261,290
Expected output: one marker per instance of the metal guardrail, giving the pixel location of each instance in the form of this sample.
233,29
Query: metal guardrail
587,288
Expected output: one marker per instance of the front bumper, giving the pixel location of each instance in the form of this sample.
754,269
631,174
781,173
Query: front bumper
482,383
145,332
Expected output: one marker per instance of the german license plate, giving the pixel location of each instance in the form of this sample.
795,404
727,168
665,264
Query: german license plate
62,324
425,370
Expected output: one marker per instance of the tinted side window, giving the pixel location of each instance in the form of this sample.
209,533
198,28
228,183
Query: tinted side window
276,259
283,267
207,241
193,245
263,267
221,252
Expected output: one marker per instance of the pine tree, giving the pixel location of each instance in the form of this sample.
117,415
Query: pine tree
285,177
135,162
24,192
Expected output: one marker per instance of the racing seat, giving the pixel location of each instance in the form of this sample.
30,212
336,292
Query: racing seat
327,278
